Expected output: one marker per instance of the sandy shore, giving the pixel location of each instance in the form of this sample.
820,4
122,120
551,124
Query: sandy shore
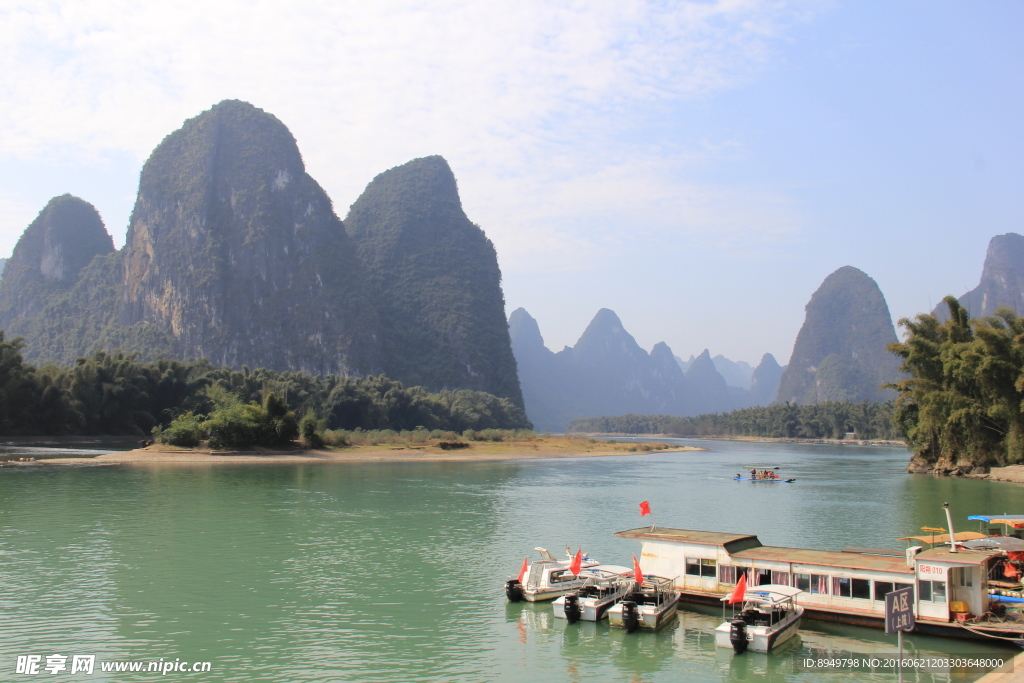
550,447
762,439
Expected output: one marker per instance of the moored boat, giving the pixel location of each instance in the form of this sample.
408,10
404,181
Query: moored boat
648,606
549,577
592,601
768,617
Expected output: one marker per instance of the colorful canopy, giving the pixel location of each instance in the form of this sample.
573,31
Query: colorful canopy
1016,521
944,538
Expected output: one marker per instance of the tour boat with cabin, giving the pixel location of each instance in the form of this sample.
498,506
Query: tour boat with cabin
649,605
767,617
592,601
951,582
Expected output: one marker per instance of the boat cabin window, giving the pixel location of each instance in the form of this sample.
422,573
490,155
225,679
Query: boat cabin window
561,576
695,567
811,583
780,578
727,574
931,591
851,588
961,576
883,587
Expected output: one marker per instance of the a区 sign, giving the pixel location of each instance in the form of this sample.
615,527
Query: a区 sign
899,610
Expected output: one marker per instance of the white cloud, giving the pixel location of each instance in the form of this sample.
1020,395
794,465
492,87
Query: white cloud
535,104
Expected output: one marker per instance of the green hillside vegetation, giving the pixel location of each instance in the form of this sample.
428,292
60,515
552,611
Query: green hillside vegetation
117,394
961,406
829,420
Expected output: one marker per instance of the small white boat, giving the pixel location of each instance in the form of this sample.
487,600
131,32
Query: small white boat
598,594
549,578
649,606
768,617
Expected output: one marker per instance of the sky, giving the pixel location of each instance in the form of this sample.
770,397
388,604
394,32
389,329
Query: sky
697,167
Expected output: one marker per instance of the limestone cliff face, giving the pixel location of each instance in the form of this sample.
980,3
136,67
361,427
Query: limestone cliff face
235,251
765,381
840,353
48,258
435,282
1002,280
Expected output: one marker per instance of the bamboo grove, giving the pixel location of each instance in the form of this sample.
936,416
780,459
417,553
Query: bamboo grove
116,394
961,402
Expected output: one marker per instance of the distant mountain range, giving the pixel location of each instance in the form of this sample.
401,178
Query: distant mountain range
608,373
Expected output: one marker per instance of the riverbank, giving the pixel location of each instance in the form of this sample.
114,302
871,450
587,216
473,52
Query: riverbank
540,447
762,439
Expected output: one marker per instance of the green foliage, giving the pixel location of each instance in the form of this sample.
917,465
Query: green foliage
964,397
115,393
830,420
311,431
185,431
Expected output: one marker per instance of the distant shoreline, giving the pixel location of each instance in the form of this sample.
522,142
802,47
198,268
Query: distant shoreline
761,439
540,448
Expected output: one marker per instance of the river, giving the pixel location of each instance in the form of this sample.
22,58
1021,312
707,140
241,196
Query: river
393,572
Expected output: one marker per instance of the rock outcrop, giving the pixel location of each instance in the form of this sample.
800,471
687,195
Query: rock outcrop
840,353
765,381
434,278
236,251
1002,280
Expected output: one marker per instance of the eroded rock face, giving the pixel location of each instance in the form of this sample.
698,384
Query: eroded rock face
435,282
840,353
236,251
49,256
1002,280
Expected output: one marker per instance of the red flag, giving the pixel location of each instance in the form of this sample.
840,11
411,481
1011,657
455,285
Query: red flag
577,563
645,508
637,574
740,590
522,571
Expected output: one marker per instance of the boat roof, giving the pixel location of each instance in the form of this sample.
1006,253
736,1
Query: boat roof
964,556
1009,543
944,538
731,542
826,558
1012,520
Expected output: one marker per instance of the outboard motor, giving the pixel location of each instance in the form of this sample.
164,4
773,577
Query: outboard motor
514,590
738,635
630,616
572,608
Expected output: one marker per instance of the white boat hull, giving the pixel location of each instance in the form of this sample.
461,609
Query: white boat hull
761,638
652,617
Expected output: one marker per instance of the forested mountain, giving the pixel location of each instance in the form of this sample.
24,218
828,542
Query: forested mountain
234,253
1002,280
607,373
840,353
434,278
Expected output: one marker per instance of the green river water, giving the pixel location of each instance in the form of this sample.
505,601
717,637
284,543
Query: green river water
394,572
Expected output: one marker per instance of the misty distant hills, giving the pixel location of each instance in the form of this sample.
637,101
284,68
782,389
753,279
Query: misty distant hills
840,353
1002,280
608,373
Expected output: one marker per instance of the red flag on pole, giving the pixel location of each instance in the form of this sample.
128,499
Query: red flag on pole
577,563
637,574
522,570
740,590
645,508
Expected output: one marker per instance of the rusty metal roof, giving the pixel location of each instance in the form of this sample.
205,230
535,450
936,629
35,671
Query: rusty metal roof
662,533
959,557
826,558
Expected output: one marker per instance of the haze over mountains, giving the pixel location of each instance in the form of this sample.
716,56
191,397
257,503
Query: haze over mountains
234,253
608,373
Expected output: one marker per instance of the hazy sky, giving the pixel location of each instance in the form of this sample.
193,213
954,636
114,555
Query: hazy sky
698,167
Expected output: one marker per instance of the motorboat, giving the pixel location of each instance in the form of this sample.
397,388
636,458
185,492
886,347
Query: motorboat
549,577
592,601
767,617
649,605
